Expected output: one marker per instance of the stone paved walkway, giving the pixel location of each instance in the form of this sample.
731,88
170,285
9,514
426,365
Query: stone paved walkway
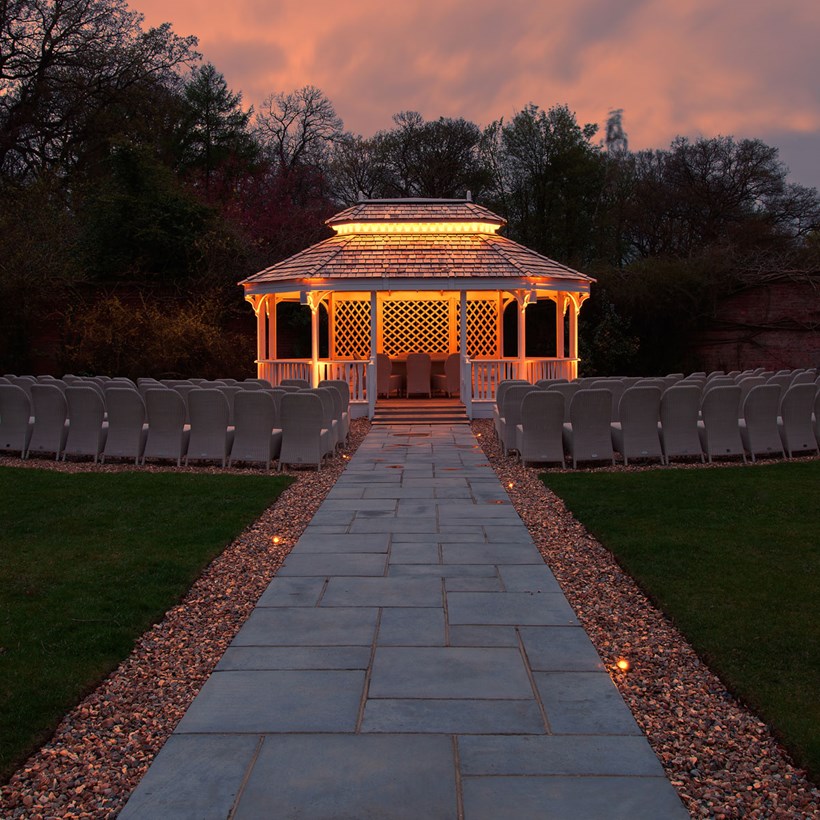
414,658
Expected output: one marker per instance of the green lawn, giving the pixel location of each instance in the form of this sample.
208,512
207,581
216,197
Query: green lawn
732,556
88,562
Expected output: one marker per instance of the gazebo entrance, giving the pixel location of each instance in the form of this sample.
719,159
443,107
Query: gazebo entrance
408,276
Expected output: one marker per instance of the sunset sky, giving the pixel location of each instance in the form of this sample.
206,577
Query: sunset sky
691,67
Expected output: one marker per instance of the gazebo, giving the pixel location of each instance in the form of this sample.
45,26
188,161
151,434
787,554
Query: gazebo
417,275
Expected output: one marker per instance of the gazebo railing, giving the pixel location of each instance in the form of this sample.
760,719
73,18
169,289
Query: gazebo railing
479,377
354,372
487,373
274,370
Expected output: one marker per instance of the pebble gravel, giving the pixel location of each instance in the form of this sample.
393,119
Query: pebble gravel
721,758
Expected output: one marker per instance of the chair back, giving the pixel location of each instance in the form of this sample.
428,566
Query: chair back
50,414
15,414
639,412
301,384
796,408
720,411
167,436
418,373
126,419
759,426
567,390
209,412
452,374
255,420
86,412
616,388
542,420
590,414
302,417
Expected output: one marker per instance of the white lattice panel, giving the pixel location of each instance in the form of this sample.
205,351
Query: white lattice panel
351,333
417,326
482,329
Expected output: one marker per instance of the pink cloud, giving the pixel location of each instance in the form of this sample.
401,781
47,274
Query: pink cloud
688,67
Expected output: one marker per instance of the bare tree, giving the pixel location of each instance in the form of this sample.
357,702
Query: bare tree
61,63
298,128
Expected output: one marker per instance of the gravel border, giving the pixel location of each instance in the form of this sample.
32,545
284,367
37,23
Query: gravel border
721,758
103,747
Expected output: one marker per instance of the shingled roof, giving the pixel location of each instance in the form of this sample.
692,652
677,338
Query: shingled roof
416,243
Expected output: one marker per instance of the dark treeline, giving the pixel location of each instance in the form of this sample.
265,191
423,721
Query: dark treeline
136,188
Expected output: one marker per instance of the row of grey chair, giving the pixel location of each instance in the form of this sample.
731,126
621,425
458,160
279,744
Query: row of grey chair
542,426
164,423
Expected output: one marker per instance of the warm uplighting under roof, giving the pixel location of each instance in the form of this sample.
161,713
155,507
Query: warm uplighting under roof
416,227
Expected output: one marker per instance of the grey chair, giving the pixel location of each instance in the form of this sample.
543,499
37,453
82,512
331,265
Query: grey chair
544,384
50,411
588,436
304,438
539,436
87,429
758,427
719,428
419,369
498,409
636,435
449,382
25,383
302,384
15,419
387,382
511,414
616,388
679,414
329,421
344,391
256,437
167,433
567,391
795,421
127,431
211,438
817,415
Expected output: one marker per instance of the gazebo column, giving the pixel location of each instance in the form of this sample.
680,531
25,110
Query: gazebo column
522,298
261,334
465,368
270,310
372,372
313,301
574,309
560,309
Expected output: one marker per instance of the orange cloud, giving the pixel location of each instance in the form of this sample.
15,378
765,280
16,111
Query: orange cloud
688,67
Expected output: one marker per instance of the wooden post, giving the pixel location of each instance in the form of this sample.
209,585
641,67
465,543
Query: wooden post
465,369
560,308
270,305
313,301
372,378
522,334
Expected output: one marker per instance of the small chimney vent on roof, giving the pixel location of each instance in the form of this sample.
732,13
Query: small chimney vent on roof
469,196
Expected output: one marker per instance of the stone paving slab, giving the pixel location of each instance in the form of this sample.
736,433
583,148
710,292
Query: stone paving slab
413,658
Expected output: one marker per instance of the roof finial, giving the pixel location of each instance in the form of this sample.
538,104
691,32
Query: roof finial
360,196
469,196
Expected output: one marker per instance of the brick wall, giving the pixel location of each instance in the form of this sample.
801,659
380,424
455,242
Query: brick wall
772,326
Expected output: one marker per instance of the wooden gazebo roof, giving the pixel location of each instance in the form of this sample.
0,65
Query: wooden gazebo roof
448,244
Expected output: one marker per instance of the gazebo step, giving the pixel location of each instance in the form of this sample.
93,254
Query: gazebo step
420,411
